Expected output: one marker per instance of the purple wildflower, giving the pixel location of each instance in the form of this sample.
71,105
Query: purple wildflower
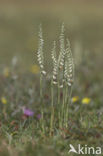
28,112
38,116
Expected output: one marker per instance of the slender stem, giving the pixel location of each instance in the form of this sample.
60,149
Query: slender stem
58,94
42,121
52,109
59,107
41,87
52,102
41,102
62,110
67,108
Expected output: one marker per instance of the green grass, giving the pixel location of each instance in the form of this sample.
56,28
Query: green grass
24,136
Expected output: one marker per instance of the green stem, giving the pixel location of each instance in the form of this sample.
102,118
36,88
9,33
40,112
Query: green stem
59,108
66,101
41,87
41,102
67,108
52,109
63,106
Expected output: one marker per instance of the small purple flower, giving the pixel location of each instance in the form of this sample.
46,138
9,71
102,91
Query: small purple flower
38,116
28,112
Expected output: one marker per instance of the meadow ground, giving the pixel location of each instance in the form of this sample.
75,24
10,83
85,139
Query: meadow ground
21,134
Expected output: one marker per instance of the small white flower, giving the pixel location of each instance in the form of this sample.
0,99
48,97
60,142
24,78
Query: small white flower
61,86
44,72
69,84
54,77
54,82
41,66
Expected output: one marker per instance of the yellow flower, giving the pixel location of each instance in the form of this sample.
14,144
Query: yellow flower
75,99
3,100
86,100
35,69
14,133
6,72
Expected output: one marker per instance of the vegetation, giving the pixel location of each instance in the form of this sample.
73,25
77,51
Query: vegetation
54,99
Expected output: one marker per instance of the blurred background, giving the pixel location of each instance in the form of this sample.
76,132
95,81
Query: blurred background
19,21
19,74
